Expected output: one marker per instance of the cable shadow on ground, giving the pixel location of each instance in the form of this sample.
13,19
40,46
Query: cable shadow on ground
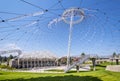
58,78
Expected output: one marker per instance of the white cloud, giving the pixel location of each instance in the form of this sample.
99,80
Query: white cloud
10,46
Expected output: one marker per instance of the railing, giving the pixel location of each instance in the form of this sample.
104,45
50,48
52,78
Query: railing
86,57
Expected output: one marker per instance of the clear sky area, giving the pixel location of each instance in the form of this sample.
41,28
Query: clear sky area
25,25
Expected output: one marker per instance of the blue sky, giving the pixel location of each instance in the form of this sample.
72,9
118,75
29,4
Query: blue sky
98,33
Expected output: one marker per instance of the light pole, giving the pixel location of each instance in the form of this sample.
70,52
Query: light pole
72,16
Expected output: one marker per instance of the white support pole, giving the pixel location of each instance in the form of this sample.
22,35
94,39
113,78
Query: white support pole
18,64
69,41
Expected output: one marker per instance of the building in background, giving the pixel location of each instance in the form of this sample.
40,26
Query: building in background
34,59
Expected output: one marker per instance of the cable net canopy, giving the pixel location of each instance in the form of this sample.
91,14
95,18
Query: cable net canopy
38,55
32,25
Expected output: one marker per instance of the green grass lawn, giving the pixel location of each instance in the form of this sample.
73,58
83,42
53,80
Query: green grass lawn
99,75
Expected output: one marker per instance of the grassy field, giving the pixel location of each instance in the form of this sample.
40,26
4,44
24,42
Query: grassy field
99,75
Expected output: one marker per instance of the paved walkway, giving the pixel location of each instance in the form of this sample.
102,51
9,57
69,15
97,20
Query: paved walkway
115,68
46,69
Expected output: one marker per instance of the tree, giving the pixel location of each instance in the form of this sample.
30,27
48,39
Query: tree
4,59
0,59
11,57
93,62
114,55
82,54
63,60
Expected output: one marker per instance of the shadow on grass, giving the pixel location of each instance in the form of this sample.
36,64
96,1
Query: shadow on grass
76,71
1,73
59,78
101,66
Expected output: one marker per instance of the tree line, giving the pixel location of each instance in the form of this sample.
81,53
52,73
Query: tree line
5,58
